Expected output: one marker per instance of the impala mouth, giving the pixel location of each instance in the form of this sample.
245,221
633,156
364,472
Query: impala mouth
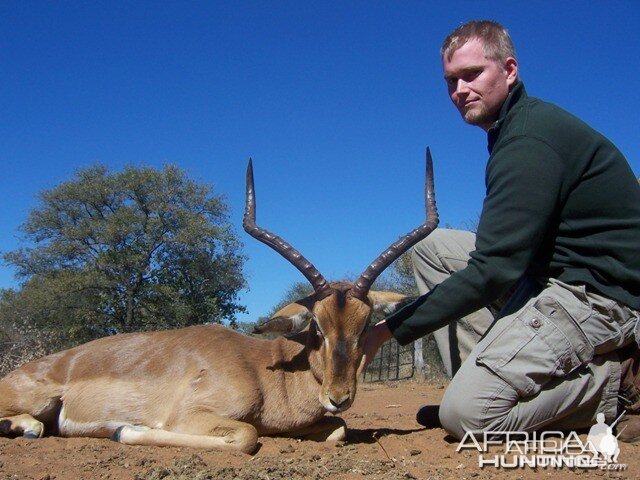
333,406
336,410
330,408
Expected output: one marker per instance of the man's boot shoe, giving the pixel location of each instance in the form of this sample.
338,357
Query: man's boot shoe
628,427
429,416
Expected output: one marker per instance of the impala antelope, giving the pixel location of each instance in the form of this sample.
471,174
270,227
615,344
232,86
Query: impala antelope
208,386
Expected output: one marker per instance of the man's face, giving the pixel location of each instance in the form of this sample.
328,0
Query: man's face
478,86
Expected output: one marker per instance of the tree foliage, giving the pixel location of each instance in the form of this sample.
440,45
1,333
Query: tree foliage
139,249
398,277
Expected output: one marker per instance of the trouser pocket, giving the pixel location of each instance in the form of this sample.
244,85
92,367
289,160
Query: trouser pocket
538,343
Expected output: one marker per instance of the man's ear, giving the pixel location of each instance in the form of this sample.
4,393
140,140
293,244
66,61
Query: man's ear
511,67
291,318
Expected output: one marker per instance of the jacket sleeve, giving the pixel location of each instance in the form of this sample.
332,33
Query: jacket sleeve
524,184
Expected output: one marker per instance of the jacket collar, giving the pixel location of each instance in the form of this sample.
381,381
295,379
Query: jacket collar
517,95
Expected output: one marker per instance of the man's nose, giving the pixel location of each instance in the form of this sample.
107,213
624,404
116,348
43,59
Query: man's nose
462,87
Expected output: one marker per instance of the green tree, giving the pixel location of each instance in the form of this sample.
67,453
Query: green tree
398,277
139,249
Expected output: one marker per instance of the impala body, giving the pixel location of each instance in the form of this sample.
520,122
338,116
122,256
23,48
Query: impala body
208,386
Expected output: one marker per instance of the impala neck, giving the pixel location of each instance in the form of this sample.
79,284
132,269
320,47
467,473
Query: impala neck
316,363
300,352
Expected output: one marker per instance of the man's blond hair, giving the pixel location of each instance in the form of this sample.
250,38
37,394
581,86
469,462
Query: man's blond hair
494,37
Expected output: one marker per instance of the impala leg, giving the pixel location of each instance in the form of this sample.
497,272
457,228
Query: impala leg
23,424
328,429
197,431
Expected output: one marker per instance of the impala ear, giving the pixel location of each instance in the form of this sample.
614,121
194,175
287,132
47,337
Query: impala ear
291,318
387,303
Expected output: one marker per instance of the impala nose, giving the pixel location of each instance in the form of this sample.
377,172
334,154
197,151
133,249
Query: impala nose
339,403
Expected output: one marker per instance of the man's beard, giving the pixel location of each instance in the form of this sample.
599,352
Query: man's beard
477,116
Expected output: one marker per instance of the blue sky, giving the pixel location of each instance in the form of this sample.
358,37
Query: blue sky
335,102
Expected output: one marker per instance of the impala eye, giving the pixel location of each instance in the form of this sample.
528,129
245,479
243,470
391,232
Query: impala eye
363,331
319,331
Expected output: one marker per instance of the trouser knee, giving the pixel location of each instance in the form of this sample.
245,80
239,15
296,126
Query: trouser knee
444,250
437,241
457,415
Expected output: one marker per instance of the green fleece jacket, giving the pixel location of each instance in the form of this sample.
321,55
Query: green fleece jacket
561,202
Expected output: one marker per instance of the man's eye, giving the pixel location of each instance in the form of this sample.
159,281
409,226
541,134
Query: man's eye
474,74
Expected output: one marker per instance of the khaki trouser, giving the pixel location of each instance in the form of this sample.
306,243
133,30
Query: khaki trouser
543,357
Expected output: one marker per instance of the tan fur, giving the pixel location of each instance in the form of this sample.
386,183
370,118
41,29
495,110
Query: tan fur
204,386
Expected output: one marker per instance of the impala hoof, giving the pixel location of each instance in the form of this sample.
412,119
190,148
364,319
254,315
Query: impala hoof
30,435
116,435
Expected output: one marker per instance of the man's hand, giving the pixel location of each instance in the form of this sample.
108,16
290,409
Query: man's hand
374,339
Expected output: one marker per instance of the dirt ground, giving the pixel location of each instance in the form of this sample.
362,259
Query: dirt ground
384,442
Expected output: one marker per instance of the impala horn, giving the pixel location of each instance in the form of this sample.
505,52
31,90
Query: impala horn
361,287
320,285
